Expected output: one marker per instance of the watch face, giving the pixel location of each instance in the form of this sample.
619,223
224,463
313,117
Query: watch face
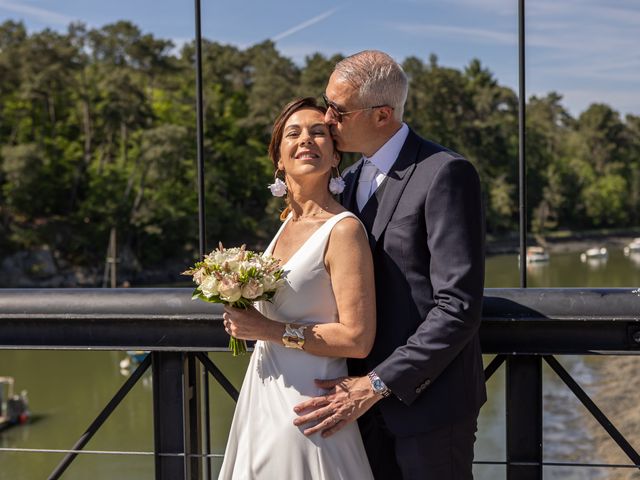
378,386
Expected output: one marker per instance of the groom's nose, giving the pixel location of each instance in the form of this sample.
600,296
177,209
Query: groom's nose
330,118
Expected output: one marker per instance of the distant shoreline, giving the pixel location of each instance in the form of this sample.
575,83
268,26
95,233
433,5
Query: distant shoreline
564,241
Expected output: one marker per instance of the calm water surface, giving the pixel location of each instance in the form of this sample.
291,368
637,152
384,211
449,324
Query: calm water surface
68,389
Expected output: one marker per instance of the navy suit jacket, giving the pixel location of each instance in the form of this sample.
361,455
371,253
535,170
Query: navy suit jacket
426,232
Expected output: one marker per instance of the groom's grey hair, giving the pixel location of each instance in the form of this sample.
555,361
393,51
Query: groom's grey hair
377,77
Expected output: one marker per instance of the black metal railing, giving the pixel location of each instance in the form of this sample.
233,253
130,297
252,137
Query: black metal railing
522,327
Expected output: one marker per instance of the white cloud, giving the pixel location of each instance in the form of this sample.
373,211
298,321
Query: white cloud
489,36
496,7
42,15
578,11
623,100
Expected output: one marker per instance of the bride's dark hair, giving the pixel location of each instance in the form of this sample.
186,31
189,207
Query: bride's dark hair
278,131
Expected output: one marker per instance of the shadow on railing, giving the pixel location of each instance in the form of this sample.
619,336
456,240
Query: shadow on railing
521,326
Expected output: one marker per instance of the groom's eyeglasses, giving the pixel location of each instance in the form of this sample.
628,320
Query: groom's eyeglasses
338,113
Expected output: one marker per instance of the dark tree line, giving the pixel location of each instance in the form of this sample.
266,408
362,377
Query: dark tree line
97,129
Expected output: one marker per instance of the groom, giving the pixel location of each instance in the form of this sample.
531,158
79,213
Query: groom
418,393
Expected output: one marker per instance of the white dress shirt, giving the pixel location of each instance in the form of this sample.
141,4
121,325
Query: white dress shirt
387,155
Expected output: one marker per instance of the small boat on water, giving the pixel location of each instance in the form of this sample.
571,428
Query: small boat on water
14,409
133,359
594,253
537,255
633,247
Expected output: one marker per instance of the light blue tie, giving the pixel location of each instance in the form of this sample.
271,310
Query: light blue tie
365,183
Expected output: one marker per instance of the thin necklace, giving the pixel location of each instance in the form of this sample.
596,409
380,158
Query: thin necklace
309,215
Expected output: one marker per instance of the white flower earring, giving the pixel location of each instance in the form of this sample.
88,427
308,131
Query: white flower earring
336,184
278,187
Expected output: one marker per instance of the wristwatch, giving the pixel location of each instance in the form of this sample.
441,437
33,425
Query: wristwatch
378,385
293,337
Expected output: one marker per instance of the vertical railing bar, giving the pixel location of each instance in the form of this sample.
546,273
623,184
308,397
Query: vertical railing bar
200,135
495,363
201,208
193,417
170,415
522,164
524,417
207,424
101,418
593,409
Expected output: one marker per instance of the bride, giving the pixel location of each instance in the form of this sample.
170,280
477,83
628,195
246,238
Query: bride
324,313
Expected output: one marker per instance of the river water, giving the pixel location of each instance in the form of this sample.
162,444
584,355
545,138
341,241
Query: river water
67,390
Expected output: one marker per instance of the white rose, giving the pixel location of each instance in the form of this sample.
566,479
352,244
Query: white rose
252,289
209,287
230,290
231,265
268,282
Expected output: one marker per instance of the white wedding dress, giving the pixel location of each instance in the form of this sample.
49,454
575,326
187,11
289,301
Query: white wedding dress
263,443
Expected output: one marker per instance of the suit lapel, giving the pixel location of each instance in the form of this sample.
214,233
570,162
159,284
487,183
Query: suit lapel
396,181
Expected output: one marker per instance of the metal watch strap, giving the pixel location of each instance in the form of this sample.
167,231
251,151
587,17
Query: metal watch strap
378,385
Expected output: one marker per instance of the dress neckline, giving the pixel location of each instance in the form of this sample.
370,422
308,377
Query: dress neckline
301,247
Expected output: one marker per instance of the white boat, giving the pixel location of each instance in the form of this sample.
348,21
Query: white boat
537,255
594,253
633,247
14,409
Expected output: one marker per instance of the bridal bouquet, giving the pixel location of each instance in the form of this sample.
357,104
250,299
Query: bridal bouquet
237,277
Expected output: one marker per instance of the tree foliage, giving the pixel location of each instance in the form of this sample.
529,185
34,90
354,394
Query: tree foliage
97,128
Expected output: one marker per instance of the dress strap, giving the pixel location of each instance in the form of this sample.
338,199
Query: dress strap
336,218
327,227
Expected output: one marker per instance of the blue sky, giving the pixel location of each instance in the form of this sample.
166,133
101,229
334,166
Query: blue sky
587,50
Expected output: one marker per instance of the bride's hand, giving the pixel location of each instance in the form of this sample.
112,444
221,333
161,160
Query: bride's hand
246,324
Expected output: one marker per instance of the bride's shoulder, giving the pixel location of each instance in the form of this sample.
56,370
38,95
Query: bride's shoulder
347,229
348,245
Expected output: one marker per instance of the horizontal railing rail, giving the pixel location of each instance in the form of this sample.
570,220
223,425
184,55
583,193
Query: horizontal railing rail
522,326
515,321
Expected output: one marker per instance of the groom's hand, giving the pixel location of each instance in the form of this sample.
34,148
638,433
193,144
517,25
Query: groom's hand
348,399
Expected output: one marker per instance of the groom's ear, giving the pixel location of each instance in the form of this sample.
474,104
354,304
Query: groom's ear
384,115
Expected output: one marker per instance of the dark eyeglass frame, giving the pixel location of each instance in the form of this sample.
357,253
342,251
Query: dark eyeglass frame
339,113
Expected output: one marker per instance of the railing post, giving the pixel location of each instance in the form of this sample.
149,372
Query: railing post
193,383
524,417
169,422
